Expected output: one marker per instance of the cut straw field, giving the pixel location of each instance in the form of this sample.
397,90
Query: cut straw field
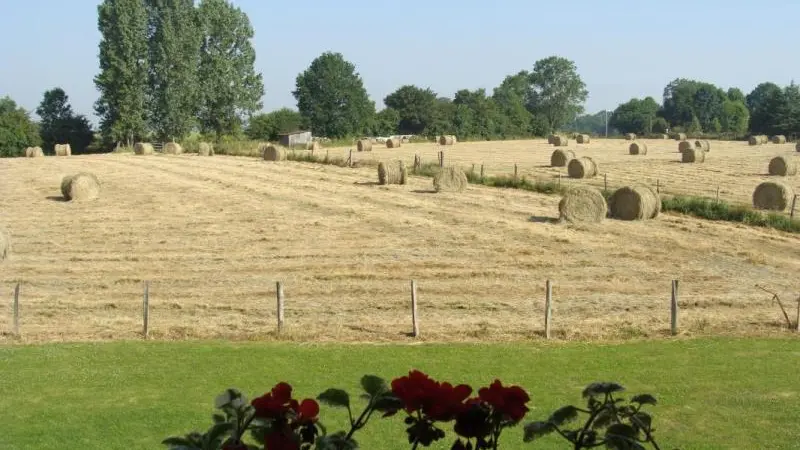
214,234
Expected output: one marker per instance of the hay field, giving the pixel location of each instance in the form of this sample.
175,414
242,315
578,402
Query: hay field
214,234
735,167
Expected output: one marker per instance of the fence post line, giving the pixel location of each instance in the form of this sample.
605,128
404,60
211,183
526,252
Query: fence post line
674,308
548,309
279,293
794,201
350,160
146,310
515,171
481,171
16,310
414,321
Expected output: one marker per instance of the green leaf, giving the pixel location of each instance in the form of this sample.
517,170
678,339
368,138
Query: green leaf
374,385
387,402
335,397
563,415
644,399
642,421
337,441
218,431
596,389
535,430
603,419
622,430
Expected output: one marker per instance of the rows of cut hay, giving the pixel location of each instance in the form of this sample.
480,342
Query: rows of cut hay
34,152
584,167
782,166
637,202
63,150
773,196
560,157
637,148
394,172
80,187
583,204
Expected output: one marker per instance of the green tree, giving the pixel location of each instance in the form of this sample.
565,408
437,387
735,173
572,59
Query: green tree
60,125
694,126
175,40
386,122
268,127
660,125
557,92
443,118
678,106
511,98
707,105
735,117
124,68
230,88
592,124
635,116
415,107
481,119
331,97
735,95
17,130
764,102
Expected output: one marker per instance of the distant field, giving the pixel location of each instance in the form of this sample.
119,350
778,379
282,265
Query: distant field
726,394
733,166
214,234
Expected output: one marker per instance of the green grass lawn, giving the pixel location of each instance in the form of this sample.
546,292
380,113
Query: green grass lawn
713,393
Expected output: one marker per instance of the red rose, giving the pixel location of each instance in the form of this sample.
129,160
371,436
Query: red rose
509,400
307,411
438,401
413,390
275,403
447,401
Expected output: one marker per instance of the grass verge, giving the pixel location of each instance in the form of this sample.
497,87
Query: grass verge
712,393
710,209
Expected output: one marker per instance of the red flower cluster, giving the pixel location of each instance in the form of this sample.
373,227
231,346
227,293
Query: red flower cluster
438,401
287,415
508,401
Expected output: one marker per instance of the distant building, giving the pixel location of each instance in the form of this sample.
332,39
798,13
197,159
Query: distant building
295,138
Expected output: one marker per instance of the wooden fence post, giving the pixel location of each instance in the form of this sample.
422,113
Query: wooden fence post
146,310
515,171
414,322
279,291
674,308
797,317
350,159
481,171
548,309
605,182
717,193
16,310
794,200
658,186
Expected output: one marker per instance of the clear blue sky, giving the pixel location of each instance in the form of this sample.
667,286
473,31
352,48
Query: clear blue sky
623,48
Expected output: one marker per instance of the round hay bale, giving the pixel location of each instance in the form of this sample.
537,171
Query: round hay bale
684,145
637,202
703,145
172,148
754,140
205,149
664,136
447,140
764,139
34,152
80,187
773,196
560,158
450,179
272,152
582,168
63,150
583,139
364,145
5,244
693,155
551,138
143,148
560,141
314,146
583,204
394,172
637,148
797,147
679,136
630,137
393,143
778,139
782,166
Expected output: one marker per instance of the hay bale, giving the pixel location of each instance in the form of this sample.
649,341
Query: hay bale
143,148
772,196
778,139
583,139
80,187
679,136
447,140
560,158
393,143
630,137
693,155
764,139
205,149
450,179
797,147
684,145
663,136
560,141
551,138
34,152
364,145
782,166
5,244
582,168
703,145
63,150
314,146
754,140
392,173
272,152
637,148
637,202
172,148
583,204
